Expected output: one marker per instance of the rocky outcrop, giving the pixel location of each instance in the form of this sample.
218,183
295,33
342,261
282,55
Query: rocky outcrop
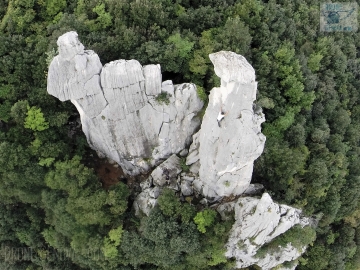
230,138
166,175
130,116
127,113
257,222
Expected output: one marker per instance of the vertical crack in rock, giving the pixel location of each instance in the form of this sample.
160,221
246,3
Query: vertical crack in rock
226,171
114,105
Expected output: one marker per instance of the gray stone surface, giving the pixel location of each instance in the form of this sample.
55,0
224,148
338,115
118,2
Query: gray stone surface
186,188
166,171
226,210
187,177
184,153
147,183
167,174
230,137
232,67
195,167
257,222
120,115
286,254
145,201
254,189
74,73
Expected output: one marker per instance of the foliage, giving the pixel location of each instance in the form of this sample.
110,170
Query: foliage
19,111
183,166
183,46
163,242
201,93
35,120
112,242
212,250
50,56
53,7
297,237
46,161
204,219
163,98
104,18
170,205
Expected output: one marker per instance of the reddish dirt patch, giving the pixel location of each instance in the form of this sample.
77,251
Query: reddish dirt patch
109,174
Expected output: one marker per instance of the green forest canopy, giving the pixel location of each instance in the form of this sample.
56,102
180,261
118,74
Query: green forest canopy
309,85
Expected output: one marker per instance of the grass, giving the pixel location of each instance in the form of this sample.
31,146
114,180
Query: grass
163,98
227,184
184,167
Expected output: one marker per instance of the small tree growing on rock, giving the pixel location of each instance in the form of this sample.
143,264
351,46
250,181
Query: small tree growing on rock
204,219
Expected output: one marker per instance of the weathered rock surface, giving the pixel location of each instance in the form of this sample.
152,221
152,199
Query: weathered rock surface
186,188
230,137
120,114
254,189
257,222
289,253
146,201
165,175
166,172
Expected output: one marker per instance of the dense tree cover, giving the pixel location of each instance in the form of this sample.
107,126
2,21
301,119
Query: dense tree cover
308,87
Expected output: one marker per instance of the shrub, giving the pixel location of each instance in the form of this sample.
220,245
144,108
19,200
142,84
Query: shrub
163,98
204,219
201,93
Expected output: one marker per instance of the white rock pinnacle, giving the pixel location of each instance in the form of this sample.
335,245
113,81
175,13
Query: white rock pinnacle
230,137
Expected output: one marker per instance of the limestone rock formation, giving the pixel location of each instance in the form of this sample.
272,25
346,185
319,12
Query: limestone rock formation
257,222
230,138
130,116
127,113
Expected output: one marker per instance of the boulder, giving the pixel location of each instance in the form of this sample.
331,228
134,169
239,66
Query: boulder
166,172
186,188
226,210
257,222
184,153
146,201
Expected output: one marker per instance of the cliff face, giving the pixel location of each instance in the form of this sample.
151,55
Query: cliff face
230,137
127,113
